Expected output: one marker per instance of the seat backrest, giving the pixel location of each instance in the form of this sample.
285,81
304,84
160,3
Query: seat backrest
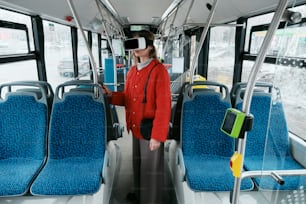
269,135
237,91
278,132
197,86
202,116
114,130
23,122
260,109
78,124
46,88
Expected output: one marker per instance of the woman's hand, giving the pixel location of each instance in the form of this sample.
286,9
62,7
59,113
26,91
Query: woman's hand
154,144
106,90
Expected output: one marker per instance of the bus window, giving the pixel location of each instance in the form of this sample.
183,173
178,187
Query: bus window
18,71
288,42
221,55
9,37
262,19
15,41
58,53
288,74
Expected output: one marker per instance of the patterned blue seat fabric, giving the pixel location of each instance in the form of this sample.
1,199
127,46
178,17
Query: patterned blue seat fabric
206,150
76,147
23,128
267,146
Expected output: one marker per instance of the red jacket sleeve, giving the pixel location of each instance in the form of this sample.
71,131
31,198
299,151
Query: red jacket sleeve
117,98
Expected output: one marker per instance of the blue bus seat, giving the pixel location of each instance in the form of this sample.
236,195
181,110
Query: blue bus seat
241,86
114,128
267,145
175,130
47,88
23,137
205,150
77,145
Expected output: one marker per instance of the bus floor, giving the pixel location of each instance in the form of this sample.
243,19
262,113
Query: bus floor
124,182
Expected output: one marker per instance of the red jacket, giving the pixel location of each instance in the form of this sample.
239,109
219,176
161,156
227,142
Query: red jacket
158,105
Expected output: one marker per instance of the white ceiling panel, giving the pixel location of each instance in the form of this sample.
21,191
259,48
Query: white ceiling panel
144,11
140,11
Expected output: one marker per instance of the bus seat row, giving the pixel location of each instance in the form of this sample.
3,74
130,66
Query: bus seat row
23,128
199,158
71,158
267,146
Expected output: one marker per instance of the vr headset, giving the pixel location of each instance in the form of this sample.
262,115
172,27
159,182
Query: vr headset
137,43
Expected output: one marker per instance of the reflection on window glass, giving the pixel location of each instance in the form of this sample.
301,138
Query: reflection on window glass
18,71
17,18
58,53
257,20
292,83
221,55
289,42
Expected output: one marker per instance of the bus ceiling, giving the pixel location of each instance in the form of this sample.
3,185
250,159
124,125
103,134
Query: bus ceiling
156,14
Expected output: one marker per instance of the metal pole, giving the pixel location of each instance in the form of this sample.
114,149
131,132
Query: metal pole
203,36
251,82
294,172
92,61
110,45
188,12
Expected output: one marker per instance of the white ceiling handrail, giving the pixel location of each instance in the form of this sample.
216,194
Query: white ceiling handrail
91,57
110,45
203,36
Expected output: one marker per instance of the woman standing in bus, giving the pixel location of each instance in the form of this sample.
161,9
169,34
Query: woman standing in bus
146,95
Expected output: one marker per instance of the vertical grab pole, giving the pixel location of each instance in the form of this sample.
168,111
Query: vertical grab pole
110,45
92,60
203,36
251,83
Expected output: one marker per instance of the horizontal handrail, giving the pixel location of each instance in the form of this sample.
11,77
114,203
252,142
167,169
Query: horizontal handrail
275,174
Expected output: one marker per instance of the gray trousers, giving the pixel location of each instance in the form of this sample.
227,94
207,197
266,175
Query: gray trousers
148,167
